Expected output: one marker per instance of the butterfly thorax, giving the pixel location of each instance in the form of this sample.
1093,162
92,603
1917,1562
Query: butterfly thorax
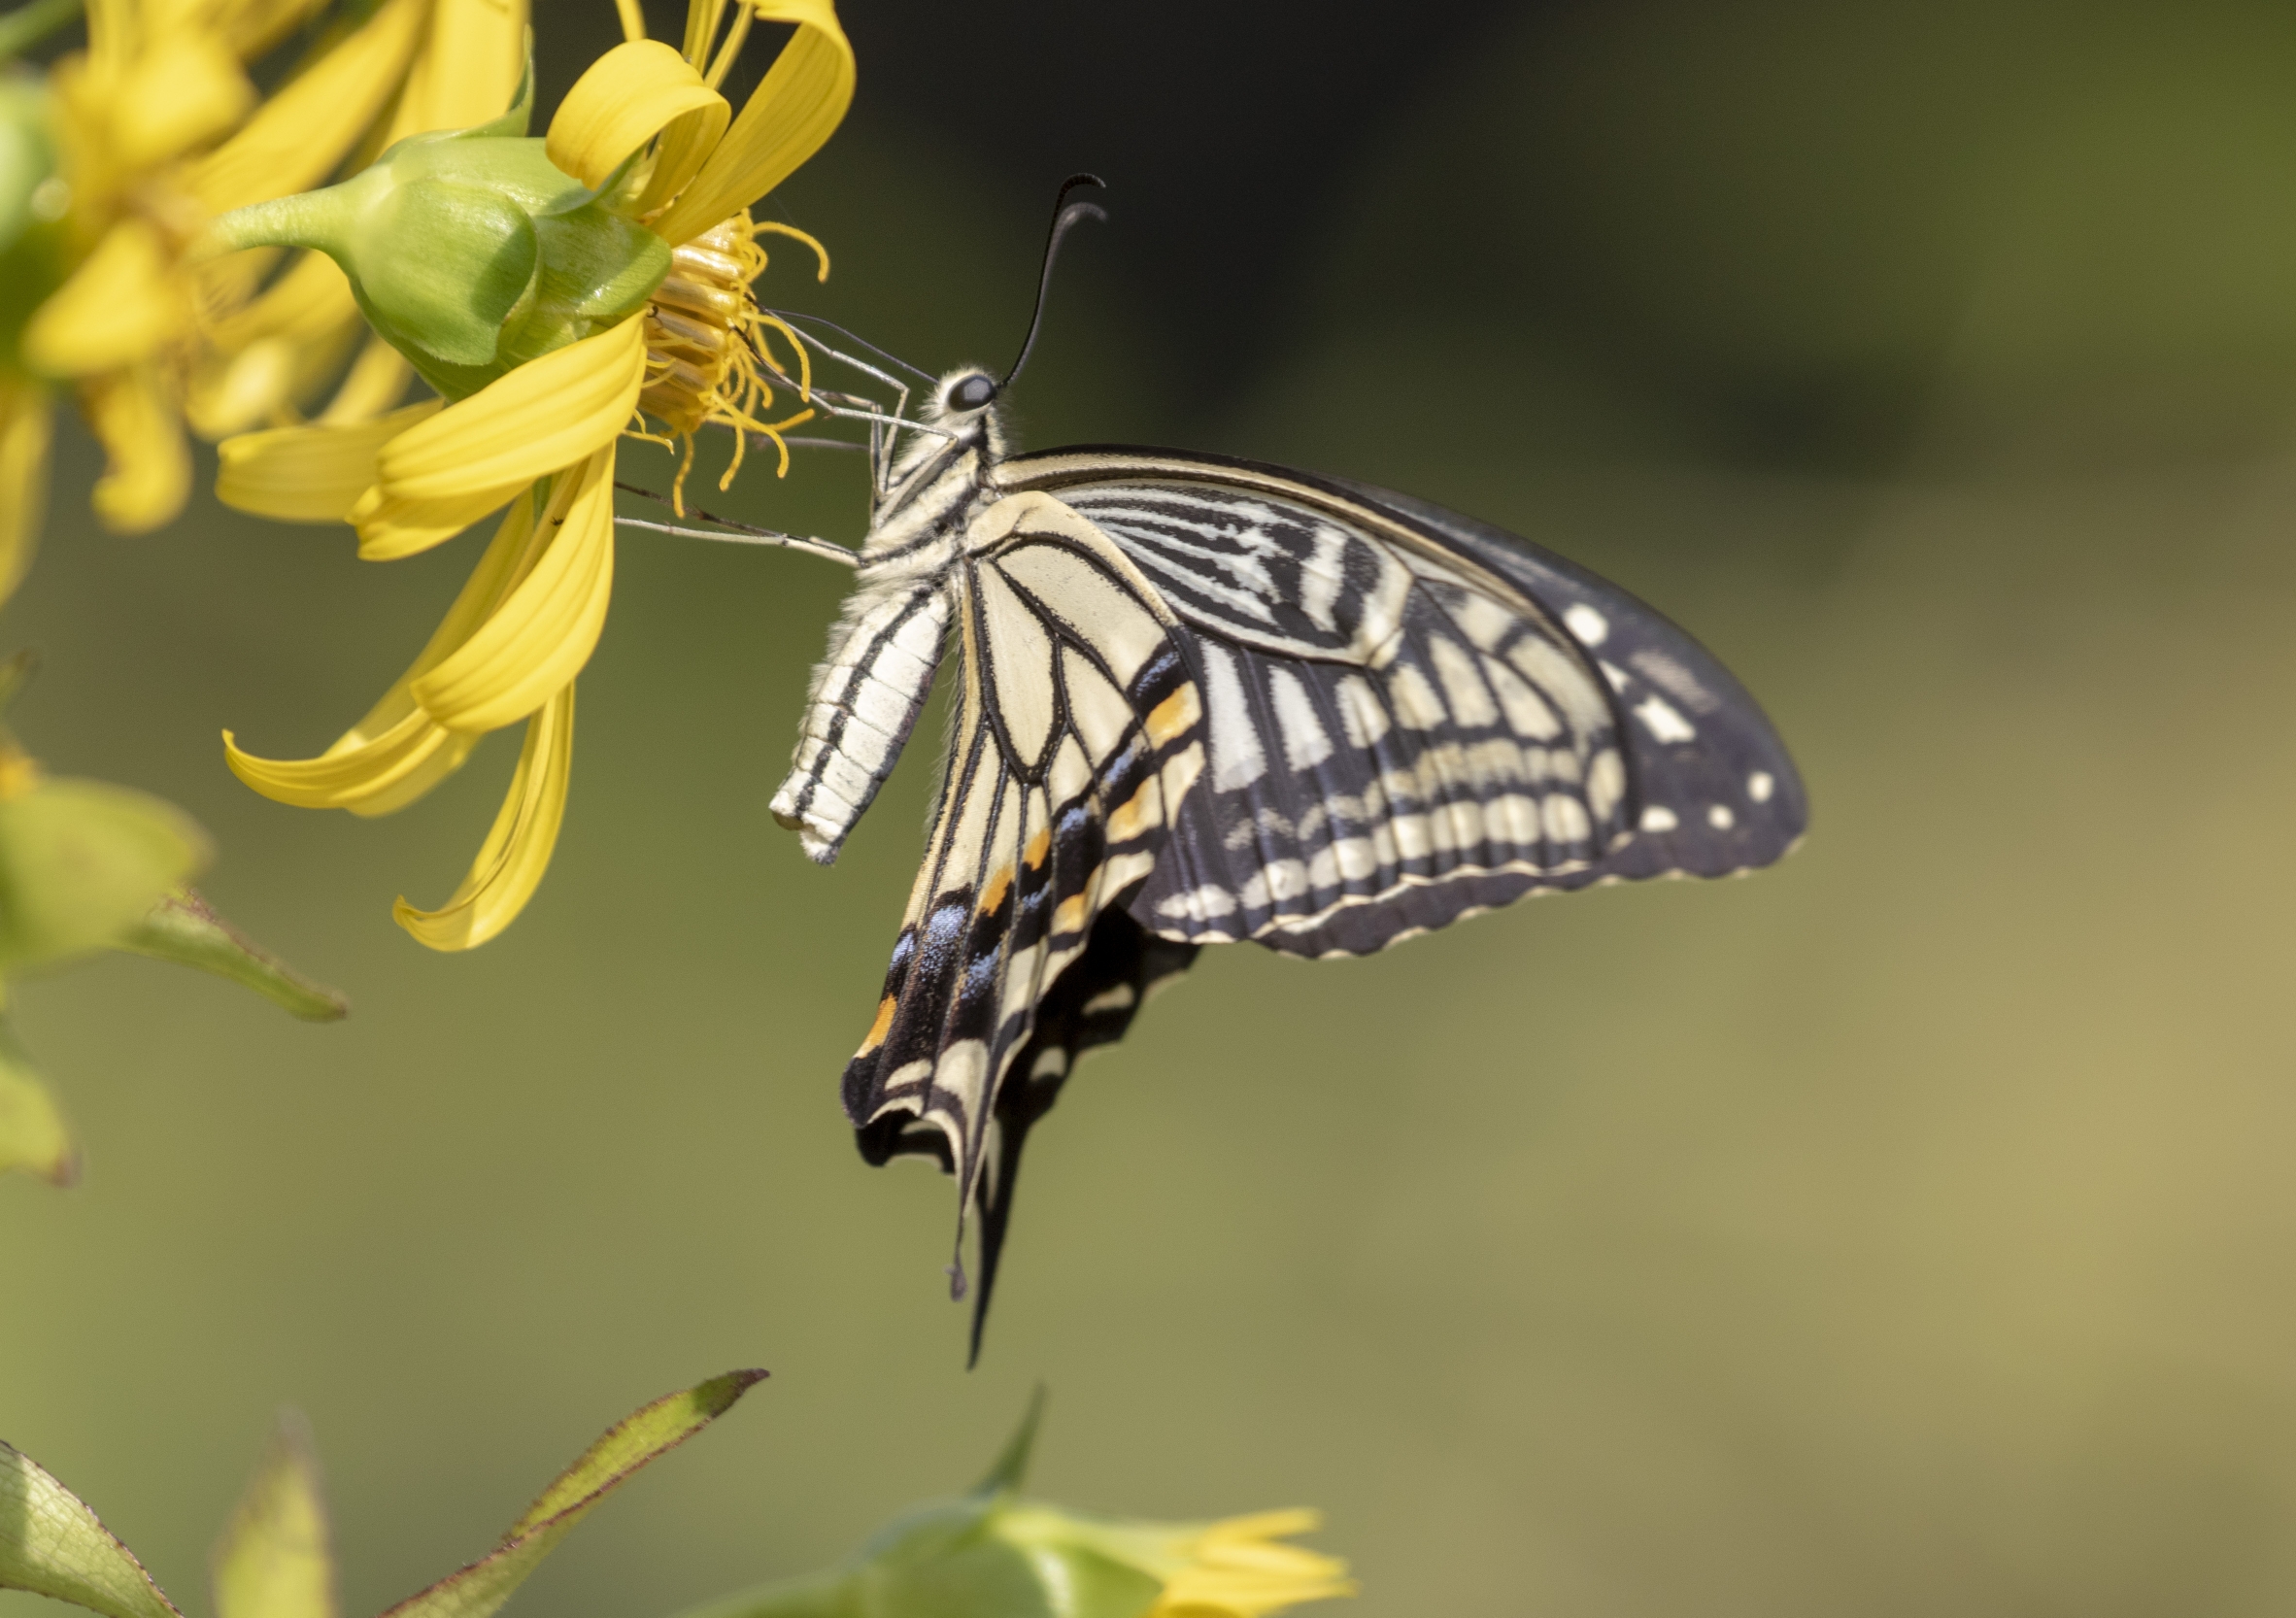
883,651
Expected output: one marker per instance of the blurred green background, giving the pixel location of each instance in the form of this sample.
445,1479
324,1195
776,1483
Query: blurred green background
1906,1230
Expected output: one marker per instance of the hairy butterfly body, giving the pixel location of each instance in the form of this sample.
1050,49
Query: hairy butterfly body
1203,700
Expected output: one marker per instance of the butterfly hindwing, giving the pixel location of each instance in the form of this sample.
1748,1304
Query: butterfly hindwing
1078,727
1411,716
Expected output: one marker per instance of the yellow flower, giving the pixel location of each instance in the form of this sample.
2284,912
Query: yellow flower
990,1554
539,395
155,129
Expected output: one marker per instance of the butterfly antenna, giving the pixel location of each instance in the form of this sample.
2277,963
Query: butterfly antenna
1065,213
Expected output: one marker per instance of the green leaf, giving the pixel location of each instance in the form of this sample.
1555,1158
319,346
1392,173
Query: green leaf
83,862
182,928
52,1545
482,1588
275,1559
33,1134
1011,1470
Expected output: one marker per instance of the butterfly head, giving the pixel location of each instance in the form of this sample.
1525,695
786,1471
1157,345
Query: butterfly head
963,404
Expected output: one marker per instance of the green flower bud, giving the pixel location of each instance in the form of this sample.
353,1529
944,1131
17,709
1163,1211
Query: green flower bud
993,1555
468,252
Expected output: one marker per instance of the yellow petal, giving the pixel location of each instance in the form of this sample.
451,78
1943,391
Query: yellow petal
534,644
23,477
548,414
310,124
252,26
149,467
468,70
517,851
396,752
375,381
121,305
339,780
790,114
390,530
310,474
181,92
630,94
231,394
312,297
633,18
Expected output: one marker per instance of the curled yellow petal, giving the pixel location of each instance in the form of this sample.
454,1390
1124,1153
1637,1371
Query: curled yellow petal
396,752
629,95
339,780
547,625
309,474
796,108
390,530
309,125
548,414
516,853
120,306
23,477
148,470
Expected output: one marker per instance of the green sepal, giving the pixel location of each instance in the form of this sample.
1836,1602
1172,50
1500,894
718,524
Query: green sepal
83,863
469,252
182,928
34,1138
51,1544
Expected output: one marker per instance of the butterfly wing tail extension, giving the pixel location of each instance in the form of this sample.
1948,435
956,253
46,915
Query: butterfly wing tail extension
1092,1004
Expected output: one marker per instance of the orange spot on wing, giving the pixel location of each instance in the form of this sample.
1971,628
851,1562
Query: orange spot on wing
1069,916
1039,846
880,1027
1174,716
1145,813
993,894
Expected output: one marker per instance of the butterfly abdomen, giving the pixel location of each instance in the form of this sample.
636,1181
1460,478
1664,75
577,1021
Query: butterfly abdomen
866,696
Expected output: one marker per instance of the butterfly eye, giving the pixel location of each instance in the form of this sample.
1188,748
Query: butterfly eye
973,392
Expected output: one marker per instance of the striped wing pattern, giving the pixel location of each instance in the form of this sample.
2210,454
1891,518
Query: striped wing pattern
1079,730
1412,718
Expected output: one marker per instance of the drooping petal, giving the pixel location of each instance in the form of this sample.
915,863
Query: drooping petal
468,70
630,94
787,118
312,297
517,851
296,139
309,474
546,626
149,467
396,752
548,414
23,477
120,306
390,530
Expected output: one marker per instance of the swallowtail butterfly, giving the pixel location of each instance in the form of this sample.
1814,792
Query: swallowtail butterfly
1202,701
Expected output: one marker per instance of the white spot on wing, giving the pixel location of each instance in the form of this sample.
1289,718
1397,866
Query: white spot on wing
1487,623
1361,711
1237,760
1305,745
1470,700
1606,783
1566,820
1527,714
1720,817
1588,625
1659,818
1664,722
1415,701
1759,786
1119,998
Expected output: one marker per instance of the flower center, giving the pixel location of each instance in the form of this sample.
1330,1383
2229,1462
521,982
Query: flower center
707,359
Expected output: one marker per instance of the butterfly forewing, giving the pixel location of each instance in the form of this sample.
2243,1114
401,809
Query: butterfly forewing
1412,717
